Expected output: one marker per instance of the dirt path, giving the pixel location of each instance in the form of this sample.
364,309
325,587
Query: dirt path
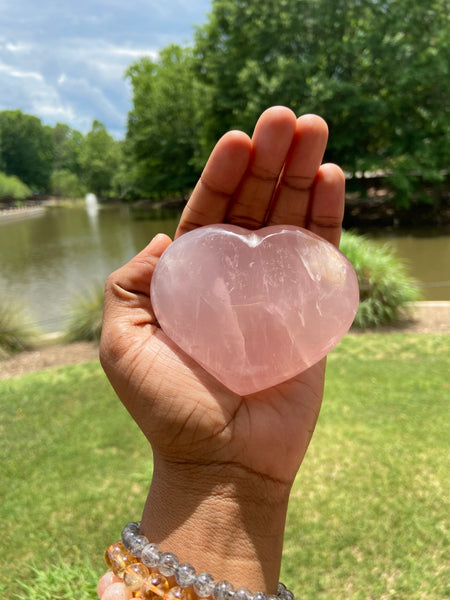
428,317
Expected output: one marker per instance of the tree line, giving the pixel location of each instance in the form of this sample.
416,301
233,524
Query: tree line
376,70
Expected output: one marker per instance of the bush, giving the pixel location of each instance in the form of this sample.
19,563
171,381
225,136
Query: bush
385,286
86,316
66,184
11,188
16,330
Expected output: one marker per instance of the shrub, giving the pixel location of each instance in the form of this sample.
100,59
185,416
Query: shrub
16,330
66,184
385,286
86,315
11,188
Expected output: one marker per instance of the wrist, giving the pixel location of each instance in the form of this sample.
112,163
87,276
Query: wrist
220,518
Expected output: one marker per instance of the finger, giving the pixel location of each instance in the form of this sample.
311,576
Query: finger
293,194
327,203
129,286
221,177
271,141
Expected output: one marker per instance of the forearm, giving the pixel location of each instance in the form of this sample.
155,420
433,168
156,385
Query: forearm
220,519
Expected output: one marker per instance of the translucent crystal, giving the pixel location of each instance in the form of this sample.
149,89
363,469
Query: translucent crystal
137,544
167,564
177,593
204,585
129,532
118,558
150,555
260,596
272,597
242,593
254,308
153,584
185,575
223,590
281,588
134,576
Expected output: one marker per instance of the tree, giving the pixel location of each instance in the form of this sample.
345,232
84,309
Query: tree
99,160
27,148
377,70
162,136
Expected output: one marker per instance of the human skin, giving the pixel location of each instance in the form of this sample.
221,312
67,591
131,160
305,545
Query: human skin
224,464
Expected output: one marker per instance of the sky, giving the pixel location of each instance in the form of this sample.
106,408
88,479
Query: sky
64,60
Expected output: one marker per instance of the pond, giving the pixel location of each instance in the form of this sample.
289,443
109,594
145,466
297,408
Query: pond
45,261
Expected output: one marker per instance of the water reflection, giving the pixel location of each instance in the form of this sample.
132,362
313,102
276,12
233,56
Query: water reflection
46,261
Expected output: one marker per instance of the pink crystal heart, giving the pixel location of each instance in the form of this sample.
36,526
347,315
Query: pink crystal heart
254,308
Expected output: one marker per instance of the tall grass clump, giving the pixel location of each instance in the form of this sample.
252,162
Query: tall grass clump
12,188
17,332
85,315
385,286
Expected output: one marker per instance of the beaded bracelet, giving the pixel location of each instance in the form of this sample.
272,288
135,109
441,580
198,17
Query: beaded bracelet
147,571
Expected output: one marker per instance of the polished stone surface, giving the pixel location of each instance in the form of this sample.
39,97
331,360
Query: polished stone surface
254,308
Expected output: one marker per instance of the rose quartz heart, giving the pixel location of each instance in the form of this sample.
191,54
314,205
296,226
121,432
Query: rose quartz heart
254,308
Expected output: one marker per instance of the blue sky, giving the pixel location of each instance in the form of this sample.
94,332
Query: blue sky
64,60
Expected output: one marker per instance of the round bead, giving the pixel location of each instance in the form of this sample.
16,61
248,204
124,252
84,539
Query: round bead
167,564
242,593
286,595
150,555
129,532
117,591
118,558
177,593
185,575
137,544
223,590
134,576
273,597
155,580
204,585
260,596
281,588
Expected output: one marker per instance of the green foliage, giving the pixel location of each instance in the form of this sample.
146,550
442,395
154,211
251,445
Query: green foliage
11,188
68,147
163,129
27,148
366,515
99,159
66,184
16,330
384,284
85,315
377,71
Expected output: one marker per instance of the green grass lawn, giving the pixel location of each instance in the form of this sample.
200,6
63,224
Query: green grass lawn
369,516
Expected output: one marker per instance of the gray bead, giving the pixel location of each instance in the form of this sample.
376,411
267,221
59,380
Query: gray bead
281,588
261,596
204,585
129,532
242,593
150,555
185,575
286,595
137,544
167,564
223,590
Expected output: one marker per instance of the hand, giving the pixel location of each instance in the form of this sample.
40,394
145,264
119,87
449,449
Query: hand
207,440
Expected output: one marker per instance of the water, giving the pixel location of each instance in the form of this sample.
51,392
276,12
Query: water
47,260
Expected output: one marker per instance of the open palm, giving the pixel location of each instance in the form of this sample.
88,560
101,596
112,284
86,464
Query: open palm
275,177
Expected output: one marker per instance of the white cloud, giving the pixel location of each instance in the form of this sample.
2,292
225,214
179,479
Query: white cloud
13,72
65,61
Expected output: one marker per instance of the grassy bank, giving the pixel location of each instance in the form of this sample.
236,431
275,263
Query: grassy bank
369,511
